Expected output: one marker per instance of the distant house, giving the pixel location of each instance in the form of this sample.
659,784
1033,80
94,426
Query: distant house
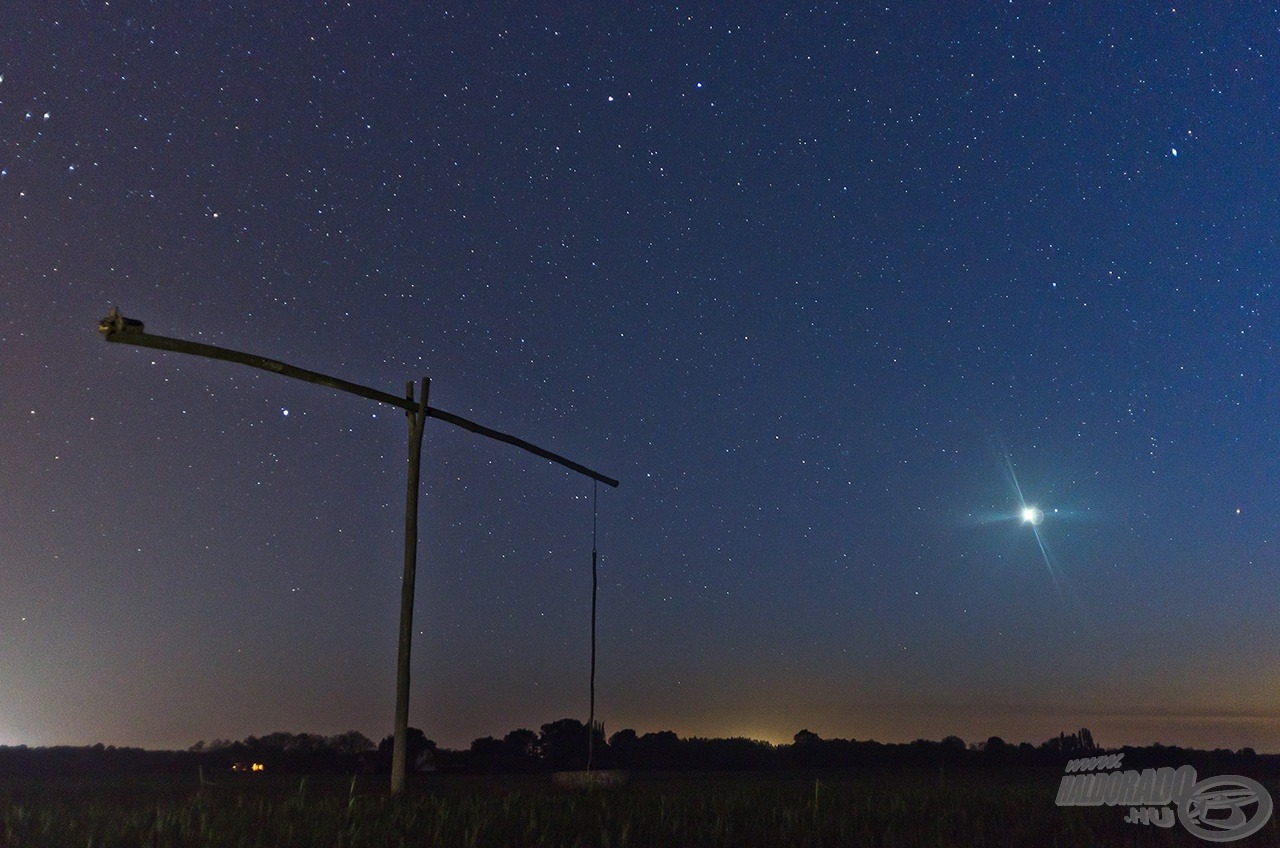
248,767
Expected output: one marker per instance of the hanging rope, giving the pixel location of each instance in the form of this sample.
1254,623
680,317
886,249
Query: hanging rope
591,720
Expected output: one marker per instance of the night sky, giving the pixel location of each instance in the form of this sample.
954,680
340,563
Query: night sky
834,292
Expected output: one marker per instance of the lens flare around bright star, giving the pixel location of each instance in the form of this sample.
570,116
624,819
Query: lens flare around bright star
1033,516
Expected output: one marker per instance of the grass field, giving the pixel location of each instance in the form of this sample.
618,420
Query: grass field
898,808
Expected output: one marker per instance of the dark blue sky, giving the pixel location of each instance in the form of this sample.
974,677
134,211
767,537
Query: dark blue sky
815,285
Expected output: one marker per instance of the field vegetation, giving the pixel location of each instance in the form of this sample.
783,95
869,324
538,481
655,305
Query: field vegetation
288,789
870,807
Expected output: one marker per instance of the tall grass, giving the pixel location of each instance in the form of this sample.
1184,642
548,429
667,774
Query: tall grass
898,809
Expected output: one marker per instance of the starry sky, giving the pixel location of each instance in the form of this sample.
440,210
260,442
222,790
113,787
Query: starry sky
833,291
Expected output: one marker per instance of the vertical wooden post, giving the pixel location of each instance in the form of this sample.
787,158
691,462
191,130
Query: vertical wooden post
417,418
591,718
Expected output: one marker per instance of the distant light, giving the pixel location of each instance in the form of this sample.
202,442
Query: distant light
1175,152
285,413
1031,515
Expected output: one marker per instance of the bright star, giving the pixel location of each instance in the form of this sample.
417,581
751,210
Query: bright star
1033,516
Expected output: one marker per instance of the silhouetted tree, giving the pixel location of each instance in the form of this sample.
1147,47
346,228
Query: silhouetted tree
523,745
1070,745
563,744
420,752
623,747
351,743
488,755
808,750
515,752
996,751
659,750
952,749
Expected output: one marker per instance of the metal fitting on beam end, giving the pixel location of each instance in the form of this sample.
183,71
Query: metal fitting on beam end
117,323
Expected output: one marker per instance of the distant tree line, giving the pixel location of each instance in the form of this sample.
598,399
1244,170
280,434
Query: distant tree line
562,746
305,753
22,761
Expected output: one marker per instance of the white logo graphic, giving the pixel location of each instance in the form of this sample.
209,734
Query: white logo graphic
1218,809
